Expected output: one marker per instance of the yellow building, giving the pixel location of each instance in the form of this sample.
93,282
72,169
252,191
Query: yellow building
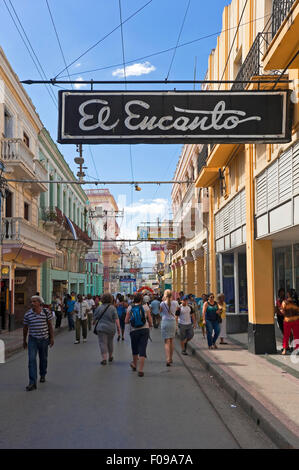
254,203
190,217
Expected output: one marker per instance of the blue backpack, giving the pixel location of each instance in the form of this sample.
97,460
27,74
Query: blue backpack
137,316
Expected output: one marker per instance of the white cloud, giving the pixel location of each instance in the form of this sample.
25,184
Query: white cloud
78,64
78,85
134,70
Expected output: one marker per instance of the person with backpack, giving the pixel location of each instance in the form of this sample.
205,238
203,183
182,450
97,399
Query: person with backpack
168,309
121,308
140,320
105,319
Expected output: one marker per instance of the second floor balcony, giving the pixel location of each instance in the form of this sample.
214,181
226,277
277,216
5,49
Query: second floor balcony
20,163
22,240
282,36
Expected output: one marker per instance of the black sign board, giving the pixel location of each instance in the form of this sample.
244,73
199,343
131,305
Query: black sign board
118,117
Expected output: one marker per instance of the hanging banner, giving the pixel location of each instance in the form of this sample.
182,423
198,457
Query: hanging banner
119,117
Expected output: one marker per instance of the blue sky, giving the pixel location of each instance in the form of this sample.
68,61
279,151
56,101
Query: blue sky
79,25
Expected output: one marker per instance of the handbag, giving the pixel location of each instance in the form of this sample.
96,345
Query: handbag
95,327
219,319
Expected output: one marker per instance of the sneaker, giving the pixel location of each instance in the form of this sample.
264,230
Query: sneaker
42,379
84,340
76,342
185,353
30,387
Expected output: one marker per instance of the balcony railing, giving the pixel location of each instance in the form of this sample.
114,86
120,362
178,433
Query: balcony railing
20,230
280,10
251,65
202,157
15,153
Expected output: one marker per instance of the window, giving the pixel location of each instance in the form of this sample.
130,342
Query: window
26,139
26,211
8,125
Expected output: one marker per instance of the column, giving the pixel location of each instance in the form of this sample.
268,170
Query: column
190,277
236,282
174,280
178,277
200,277
261,332
185,278
211,245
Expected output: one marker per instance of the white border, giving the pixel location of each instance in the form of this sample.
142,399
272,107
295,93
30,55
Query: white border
168,136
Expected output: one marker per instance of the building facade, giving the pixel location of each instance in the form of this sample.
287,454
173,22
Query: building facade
63,214
254,188
25,245
190,217
102,198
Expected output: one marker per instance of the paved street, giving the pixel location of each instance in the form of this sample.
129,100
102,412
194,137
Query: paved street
86,405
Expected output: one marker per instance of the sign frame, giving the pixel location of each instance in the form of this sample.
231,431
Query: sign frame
114,137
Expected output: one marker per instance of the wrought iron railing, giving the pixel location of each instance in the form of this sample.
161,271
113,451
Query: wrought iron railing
202,157
251,65
280,10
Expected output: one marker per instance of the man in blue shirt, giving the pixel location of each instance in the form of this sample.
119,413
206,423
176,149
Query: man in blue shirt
155,312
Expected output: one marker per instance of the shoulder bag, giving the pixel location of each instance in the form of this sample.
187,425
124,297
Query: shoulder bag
95,327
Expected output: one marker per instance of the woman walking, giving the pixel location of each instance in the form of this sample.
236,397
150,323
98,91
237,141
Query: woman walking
290,310
185,317
121,308
168,309
211,320
222,308
140,320
105,319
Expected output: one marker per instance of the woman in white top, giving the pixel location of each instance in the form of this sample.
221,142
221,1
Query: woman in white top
168,310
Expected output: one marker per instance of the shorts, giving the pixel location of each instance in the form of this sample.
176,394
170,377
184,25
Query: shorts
186,332
139,339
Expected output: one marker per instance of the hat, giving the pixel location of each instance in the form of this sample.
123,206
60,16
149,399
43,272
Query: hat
185,297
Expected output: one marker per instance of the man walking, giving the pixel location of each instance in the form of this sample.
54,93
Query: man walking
38,321
81,309
91,308
155,311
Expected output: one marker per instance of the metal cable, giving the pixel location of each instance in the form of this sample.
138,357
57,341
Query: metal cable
105,37
179,37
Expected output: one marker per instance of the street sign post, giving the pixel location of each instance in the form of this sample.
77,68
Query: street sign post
148,117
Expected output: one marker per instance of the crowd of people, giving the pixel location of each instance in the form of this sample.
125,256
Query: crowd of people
108,314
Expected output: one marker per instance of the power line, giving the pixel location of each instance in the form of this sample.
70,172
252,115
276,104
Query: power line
103,38
49,90
58,40
232,45
166,50
179,37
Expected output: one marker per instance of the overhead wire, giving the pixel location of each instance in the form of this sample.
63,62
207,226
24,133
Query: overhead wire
164,51
104,37
233,42
178,40
31,52
58,40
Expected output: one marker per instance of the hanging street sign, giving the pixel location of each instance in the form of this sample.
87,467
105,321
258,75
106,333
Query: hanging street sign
148,117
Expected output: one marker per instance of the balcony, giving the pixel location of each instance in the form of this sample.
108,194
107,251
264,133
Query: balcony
283,37
56,222
21,163
202,157
24,242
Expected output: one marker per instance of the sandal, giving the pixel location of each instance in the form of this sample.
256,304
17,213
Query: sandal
140,374
168,364
104,362
132,366
110,359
